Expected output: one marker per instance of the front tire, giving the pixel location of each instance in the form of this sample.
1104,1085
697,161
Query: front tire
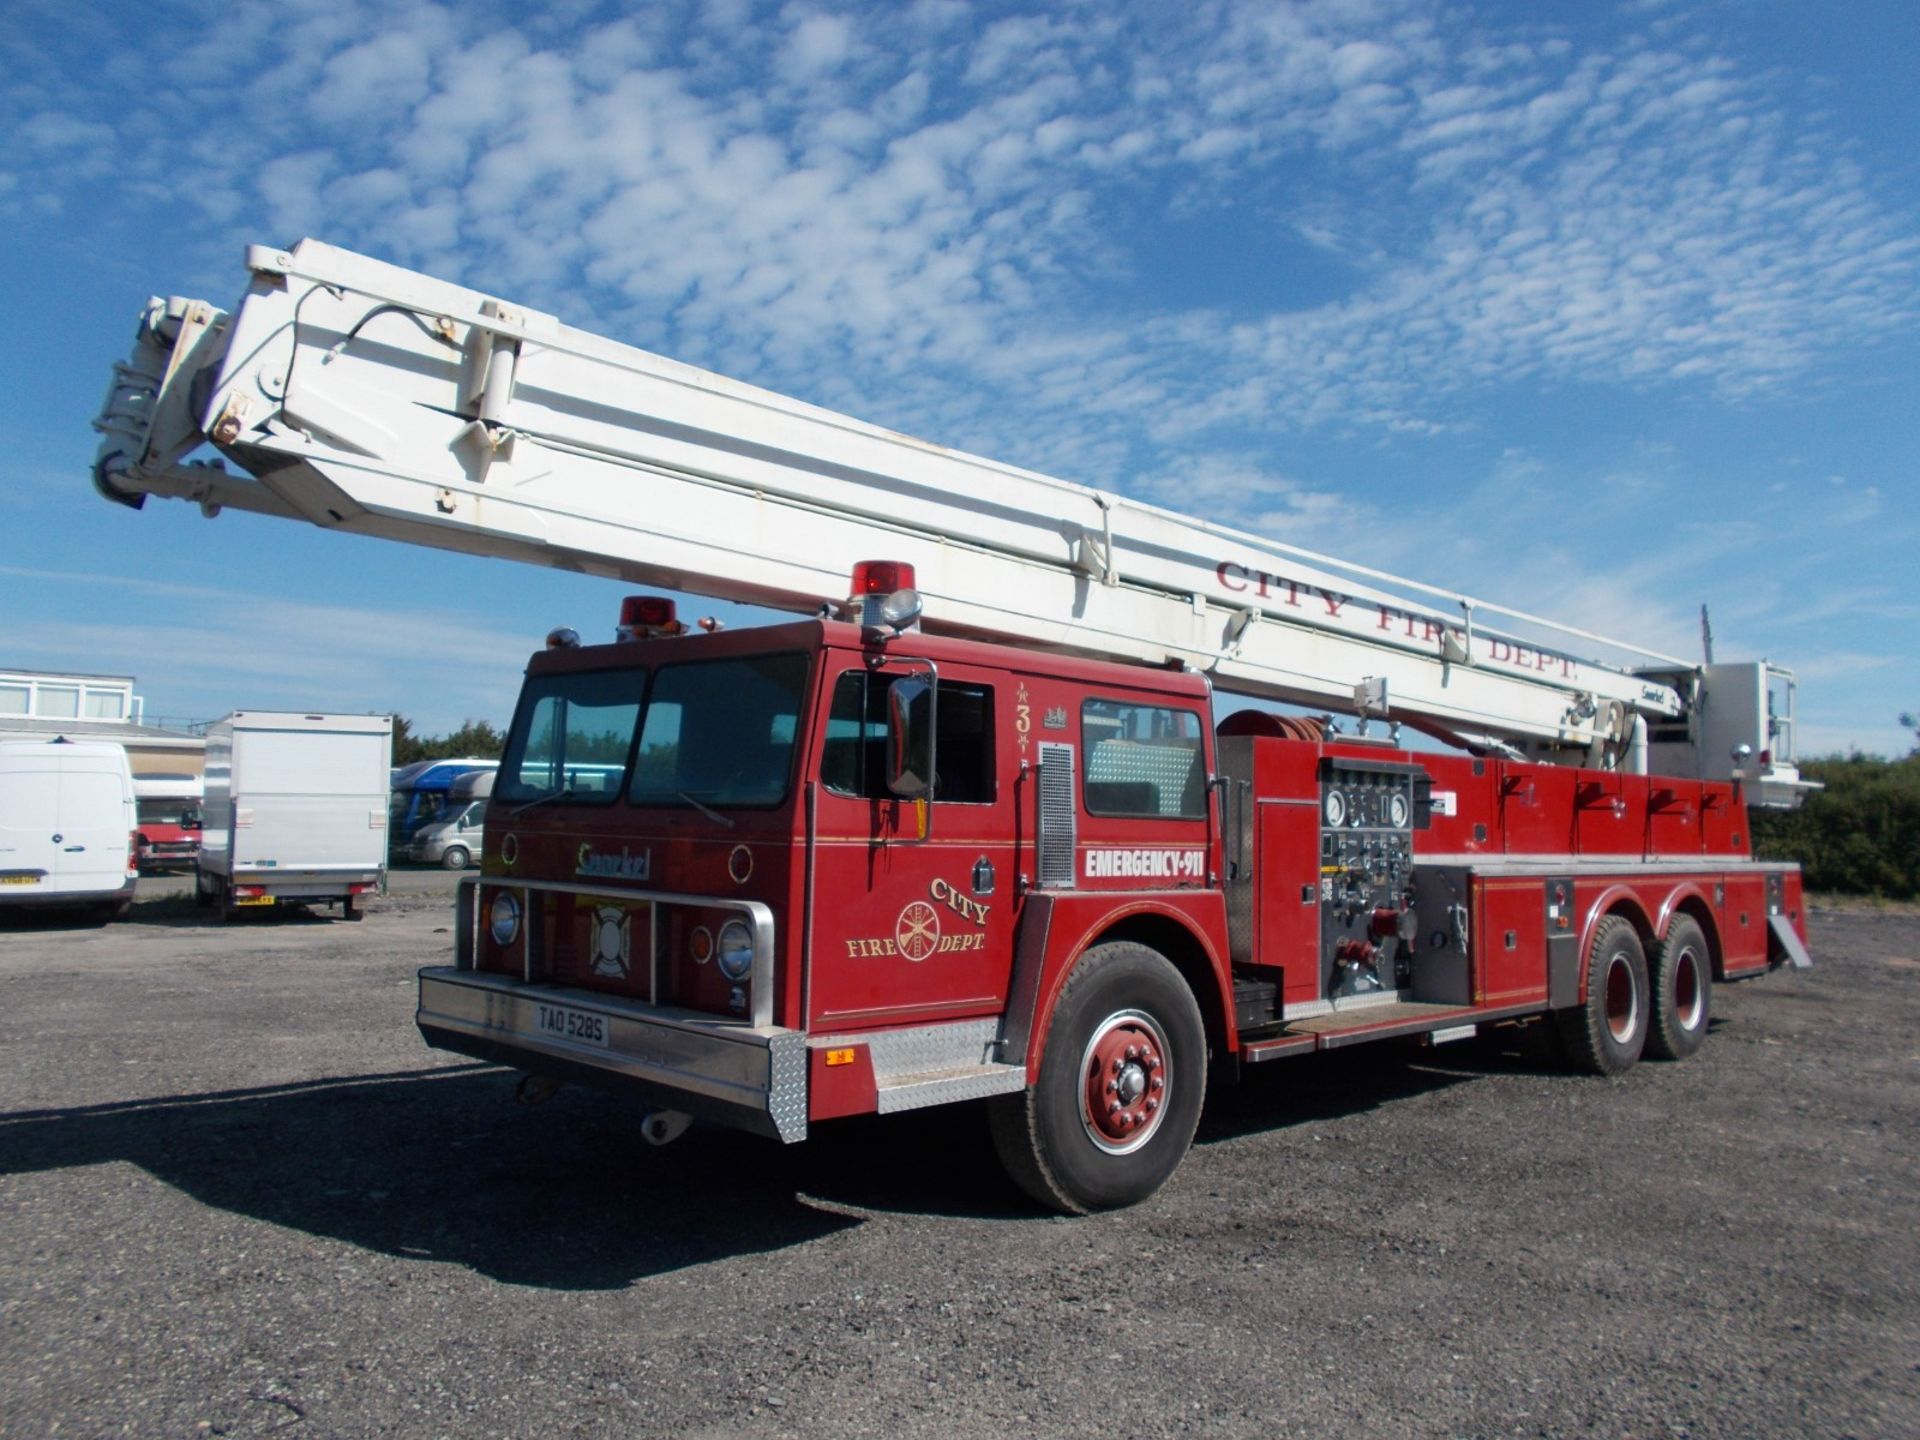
1682,979
1120,1087
1606,1033
456,858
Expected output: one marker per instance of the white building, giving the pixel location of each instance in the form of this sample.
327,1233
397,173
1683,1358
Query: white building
40,704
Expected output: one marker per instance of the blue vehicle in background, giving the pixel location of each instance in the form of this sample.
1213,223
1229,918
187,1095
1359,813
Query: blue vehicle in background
421,794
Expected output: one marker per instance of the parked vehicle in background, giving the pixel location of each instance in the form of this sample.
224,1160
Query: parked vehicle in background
421,794
66,824
168,807
453,840
295,811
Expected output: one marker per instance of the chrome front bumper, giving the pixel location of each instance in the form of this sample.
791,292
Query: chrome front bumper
750,1077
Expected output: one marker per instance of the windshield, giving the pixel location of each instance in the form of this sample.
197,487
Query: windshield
570,738
708,733
183,811
720,732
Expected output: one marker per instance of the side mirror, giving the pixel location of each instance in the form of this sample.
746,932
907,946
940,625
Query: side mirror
910,737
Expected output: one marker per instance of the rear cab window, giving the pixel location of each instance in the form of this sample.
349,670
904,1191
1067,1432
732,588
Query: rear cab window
1142,761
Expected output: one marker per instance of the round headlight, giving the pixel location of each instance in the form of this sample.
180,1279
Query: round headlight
503,918
736,950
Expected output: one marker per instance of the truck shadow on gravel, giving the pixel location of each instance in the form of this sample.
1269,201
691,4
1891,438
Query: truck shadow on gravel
441,1164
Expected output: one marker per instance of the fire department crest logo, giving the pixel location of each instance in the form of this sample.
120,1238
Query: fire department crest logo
917,933
612,942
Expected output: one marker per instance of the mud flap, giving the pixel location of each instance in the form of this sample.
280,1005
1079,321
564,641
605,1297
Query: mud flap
1787,941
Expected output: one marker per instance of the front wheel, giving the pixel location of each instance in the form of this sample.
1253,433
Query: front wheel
455,858
1120,1087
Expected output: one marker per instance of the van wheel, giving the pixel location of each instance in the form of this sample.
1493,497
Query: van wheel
350,908
1682,981
1120,1088
456,858
1605,1035
202,893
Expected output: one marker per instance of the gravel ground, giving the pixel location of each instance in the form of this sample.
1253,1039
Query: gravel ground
239,1197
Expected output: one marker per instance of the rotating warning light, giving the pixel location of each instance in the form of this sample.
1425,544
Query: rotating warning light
881,577
883,598
647,617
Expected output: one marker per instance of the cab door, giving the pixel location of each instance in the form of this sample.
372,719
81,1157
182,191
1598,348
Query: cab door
907,927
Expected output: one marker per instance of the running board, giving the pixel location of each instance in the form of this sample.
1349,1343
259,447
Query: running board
1378,1022
944,1087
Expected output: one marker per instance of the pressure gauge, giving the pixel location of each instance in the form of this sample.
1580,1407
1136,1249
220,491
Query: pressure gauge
1335,809
1397,811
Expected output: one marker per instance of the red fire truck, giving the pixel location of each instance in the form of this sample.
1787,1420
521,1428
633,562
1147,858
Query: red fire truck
981,827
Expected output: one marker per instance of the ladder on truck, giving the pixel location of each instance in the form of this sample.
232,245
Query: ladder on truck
363,397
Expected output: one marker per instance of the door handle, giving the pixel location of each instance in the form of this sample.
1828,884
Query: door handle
75,849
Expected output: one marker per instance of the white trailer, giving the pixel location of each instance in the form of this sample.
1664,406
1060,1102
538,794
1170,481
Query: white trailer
296,810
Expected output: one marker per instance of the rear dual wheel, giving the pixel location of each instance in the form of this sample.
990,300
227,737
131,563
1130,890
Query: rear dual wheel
1606,1033
1120,1087
1682,981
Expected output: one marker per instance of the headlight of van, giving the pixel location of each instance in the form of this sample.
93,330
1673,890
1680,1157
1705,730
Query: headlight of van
503,918
736,950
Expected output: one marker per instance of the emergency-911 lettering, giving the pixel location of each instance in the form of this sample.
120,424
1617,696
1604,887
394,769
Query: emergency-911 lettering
1146,864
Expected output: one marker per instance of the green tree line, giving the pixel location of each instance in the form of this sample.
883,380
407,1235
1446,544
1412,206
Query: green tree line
1858,836
474,737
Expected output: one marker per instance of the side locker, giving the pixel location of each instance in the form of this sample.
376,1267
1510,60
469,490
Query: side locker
1510,952
1287,893
1442,905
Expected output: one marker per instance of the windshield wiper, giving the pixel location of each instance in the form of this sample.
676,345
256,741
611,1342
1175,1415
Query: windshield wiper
542,799
706,810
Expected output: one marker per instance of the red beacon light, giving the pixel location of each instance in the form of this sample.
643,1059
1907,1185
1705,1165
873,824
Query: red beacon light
884,598
647,617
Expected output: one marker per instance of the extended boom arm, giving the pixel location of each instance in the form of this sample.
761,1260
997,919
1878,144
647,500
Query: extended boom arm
363,397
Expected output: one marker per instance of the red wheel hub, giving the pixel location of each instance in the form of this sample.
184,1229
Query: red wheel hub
1124,1080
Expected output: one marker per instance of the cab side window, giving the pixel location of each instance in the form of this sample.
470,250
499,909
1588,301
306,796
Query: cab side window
854,756
1143,761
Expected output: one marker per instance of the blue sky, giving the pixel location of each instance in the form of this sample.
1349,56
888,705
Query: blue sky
1602,310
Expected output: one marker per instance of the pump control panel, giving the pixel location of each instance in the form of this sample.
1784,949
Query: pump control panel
1368,813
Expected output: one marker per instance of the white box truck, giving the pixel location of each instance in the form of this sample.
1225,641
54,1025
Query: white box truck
66,825
295,810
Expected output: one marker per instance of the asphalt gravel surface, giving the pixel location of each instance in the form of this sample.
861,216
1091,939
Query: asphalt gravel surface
239,1197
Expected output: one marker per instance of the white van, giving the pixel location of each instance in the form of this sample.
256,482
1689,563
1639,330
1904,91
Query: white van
67,824
452,842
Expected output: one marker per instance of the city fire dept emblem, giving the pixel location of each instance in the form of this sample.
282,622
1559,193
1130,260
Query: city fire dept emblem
916,935
612,942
